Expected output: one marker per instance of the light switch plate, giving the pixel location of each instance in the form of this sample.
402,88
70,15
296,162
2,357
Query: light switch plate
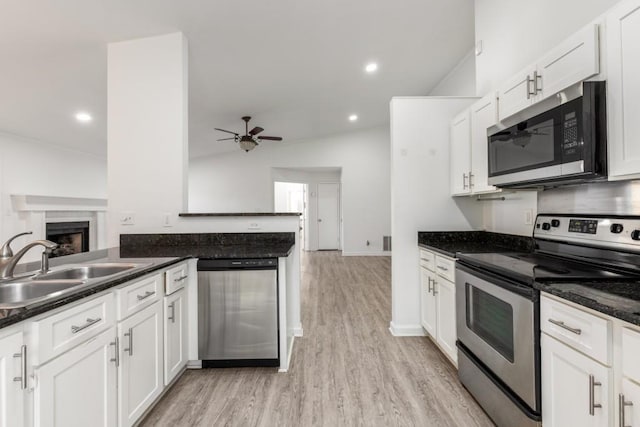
127,218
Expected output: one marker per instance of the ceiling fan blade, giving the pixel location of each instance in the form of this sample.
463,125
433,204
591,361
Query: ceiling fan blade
256,130
226,139
270,138
227,131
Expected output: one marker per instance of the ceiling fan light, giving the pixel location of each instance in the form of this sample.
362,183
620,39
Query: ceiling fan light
247,144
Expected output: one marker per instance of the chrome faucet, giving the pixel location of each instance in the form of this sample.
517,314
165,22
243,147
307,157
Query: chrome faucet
8,260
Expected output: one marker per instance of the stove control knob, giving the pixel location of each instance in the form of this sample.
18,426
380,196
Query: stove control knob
555,223
635,234
616,228
547,226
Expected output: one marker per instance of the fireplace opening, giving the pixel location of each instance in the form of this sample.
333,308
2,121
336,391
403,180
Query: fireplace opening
71,237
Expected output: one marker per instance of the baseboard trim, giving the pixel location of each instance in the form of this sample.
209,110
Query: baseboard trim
298,331
284,369
406,330
379,253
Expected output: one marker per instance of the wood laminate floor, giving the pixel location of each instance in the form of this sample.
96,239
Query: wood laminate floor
347,370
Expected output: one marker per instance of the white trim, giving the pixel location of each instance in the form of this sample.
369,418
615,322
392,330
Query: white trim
290,352
406,330
297,330
377,253
30,202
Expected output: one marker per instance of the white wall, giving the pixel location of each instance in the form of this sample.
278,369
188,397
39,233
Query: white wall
516,33
32,167
460,81
420,195
243,182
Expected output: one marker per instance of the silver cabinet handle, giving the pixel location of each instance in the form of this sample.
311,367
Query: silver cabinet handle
592,386
430,288
464,181
442,268
471,179
116,359
130,335
146,295
621,404
563,326
529,81
180,279
22,379
173,312
76,329
434,291
537,78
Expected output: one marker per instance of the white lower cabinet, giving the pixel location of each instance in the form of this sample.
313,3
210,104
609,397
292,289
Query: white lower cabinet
428,302
78,388
12,388
175,334
447,334
629,403
140,379
575,388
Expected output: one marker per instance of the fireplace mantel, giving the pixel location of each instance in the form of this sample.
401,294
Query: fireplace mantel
29,202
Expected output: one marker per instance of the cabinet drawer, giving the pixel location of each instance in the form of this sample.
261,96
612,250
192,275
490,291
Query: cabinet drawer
134,297
176,278
630,351
59,333
446,268
427,259
583,331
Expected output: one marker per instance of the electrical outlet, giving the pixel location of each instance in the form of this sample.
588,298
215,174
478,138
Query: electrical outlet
528,216
127,218
254,226
166,220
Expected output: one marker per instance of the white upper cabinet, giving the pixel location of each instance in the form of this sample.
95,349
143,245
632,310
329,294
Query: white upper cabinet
460,153
484,114
623,108
572,61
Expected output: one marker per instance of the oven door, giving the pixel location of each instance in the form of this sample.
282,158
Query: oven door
497,322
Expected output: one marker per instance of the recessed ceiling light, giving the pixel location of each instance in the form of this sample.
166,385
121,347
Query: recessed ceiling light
83,117
372,67
353,117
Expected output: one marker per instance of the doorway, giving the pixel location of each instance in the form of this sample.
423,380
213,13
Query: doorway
291,197
328,216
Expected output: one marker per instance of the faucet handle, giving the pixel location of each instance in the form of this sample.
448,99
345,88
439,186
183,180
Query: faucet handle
5,251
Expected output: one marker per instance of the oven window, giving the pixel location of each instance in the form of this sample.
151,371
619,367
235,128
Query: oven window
491,319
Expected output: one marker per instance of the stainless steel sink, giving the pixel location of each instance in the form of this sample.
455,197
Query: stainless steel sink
86,272
25,292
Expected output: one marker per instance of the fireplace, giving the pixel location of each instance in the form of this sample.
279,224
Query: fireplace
71,237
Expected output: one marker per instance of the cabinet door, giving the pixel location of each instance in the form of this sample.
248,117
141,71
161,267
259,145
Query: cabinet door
175,335
572,61
623,92
460,153
566,387
11,393
140,376
484,114
428,302
629,404
516,94
79,387
446,323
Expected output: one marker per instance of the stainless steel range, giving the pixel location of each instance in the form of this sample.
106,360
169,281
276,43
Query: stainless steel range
497,305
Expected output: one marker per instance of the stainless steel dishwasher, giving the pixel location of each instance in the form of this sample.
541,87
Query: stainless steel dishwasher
238,312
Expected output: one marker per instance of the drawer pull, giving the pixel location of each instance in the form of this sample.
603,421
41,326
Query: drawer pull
592,390
22,379
173,312
116,359
563,326
180,279
76,329
442,268
146,295
621,404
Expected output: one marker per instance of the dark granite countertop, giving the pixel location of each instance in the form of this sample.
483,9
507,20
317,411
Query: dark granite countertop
209,245
201,214
615,298
450,242
11,316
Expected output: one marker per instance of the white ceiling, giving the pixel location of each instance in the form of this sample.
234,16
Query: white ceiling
296,66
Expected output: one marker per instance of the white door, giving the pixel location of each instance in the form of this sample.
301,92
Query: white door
460,153
140,374
11,393
572,385
79,387
428,301
623,89
175,335
446,302
484,114
328,216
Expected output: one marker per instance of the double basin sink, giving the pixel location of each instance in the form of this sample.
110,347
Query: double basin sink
23,292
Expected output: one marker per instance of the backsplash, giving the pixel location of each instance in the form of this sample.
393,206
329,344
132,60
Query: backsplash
615,198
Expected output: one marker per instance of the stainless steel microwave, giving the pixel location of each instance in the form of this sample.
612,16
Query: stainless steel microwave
567,144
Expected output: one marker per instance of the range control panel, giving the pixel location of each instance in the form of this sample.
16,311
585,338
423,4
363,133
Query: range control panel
615,232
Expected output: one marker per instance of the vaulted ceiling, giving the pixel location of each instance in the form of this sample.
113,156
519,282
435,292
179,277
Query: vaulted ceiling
296,66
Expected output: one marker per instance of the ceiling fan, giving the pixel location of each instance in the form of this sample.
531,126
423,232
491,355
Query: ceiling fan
250,139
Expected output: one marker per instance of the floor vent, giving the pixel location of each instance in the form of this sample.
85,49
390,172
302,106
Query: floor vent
386,243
